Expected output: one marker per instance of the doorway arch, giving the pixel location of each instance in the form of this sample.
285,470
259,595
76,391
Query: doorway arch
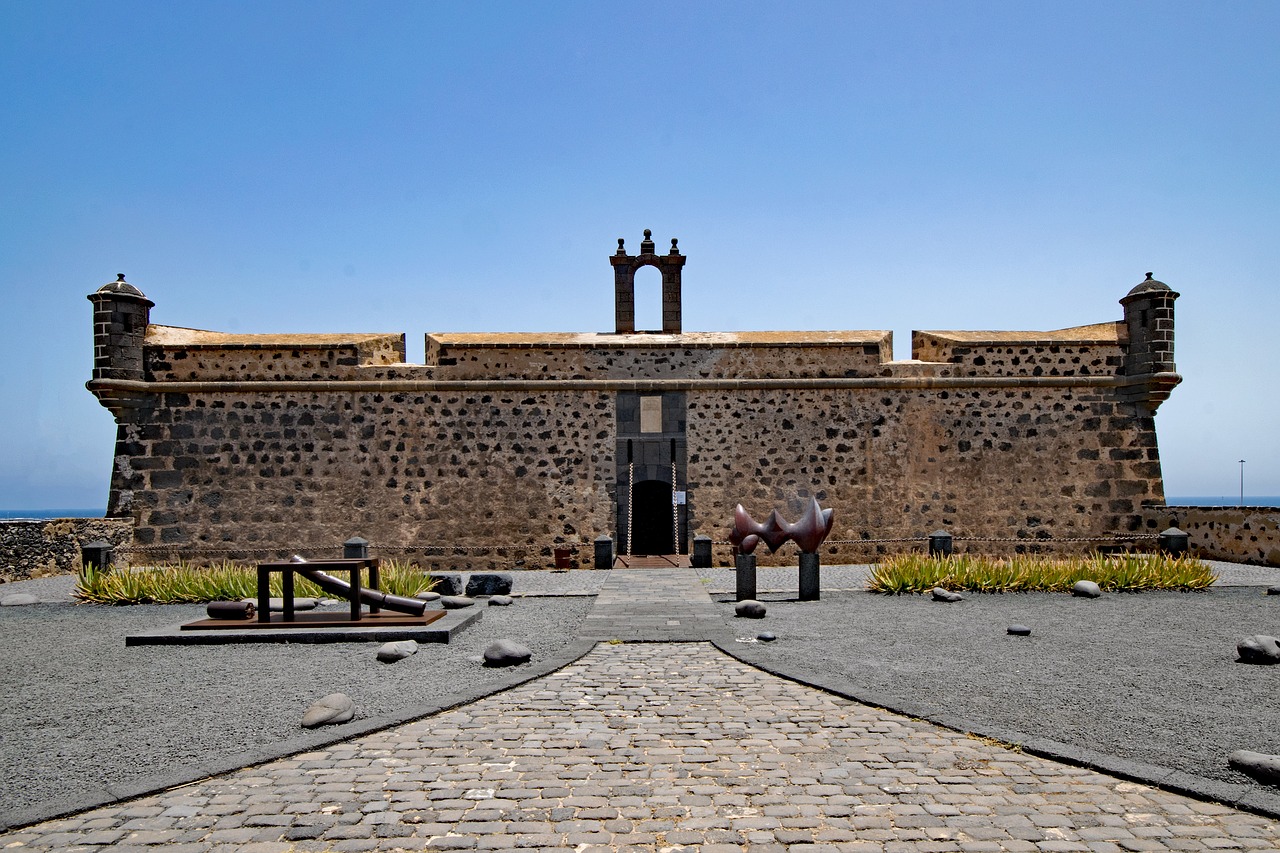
652,522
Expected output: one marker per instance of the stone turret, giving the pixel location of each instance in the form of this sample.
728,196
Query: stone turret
1148,316
120,316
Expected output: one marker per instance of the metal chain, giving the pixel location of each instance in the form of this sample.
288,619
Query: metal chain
631,495
675,508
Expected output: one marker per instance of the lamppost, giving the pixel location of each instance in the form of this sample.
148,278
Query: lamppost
1241,482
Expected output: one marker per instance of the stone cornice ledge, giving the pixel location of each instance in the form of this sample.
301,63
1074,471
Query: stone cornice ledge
129,387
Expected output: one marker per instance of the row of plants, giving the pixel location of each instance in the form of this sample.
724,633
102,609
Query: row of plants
916,573
182,583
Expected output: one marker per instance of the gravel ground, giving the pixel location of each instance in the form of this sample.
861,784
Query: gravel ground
82,716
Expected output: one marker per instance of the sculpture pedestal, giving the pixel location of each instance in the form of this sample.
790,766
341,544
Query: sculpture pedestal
809,587
745,564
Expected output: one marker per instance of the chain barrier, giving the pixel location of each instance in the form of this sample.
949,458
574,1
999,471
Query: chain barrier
1018,539
445,550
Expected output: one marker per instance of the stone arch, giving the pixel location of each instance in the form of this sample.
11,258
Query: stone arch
624,284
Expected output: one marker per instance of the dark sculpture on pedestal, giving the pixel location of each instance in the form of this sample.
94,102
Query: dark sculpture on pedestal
808,533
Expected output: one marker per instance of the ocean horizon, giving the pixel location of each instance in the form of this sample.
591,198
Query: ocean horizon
1172,500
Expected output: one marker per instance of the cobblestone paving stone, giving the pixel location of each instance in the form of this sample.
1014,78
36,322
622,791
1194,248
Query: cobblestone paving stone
661,747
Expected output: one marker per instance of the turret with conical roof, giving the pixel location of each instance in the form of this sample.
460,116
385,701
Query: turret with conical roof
1148,316
120,316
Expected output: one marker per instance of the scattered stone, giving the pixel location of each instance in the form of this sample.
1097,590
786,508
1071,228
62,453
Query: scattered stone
488,584
766,636
230,609
940,594
447,584
1259,648
1273,590
428,596
506,653
16,599
1265,768
749,609
1019,630
329,710
1086,589
500,600
455,602
397,650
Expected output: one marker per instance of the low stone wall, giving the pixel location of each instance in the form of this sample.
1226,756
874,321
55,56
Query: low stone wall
1241,534
36,549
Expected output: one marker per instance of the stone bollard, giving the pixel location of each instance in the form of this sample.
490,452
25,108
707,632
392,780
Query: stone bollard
701,552
940,542
355,548
809,585
745,564
603,552
1174,542
98,555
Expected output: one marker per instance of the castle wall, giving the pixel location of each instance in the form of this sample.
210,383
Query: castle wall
503,446
695,355
1242,534
252,475
39,548
1016,465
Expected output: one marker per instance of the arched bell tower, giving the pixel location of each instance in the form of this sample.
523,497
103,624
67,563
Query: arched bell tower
624,284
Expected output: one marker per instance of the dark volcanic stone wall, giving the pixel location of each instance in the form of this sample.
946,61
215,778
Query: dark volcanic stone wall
985,463
259,474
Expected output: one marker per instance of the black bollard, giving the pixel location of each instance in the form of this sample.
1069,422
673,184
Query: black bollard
97,555
940,542
1174,542
701,552
355,548
603,552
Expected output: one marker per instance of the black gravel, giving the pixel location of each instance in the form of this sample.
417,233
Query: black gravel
83,718
1149,677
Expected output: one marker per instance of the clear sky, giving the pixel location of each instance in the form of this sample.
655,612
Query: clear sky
439,166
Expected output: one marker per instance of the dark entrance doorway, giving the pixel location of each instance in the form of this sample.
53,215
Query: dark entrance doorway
651,518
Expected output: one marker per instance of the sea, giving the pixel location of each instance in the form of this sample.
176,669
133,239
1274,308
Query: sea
1172,500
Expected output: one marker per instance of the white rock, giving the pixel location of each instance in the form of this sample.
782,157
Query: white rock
328,710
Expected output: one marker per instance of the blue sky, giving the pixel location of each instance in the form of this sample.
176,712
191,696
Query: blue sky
418,167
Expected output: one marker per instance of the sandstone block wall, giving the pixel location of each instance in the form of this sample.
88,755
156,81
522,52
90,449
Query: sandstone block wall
1242,534
36,549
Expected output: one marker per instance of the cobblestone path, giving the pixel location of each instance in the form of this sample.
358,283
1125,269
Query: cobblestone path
661,747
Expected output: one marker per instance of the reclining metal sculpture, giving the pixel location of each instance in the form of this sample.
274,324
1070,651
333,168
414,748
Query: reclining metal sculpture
808,533
341,589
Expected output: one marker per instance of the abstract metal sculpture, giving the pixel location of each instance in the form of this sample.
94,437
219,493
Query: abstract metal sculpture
808,533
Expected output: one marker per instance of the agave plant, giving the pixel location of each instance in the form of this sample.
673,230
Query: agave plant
182,583
1025,573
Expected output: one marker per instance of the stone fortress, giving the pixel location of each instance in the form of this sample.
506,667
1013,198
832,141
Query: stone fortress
501,447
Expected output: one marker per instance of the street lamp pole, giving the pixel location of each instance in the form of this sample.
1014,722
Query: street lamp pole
1241,482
